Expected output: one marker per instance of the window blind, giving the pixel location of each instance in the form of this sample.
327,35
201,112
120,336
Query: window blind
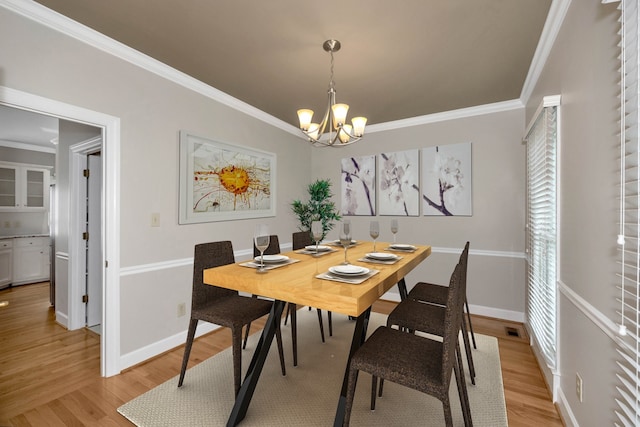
541,143
628,384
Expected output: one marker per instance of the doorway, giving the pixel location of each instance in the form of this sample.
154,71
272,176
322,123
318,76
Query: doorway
110,126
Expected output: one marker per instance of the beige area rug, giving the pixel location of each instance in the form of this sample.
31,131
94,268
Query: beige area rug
308,394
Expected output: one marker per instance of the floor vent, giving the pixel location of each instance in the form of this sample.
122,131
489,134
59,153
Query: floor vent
512,332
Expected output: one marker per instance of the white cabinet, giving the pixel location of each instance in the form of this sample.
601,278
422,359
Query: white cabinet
23,187
30,260
6,262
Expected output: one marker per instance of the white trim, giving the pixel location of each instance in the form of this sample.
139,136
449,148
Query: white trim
565,409
247,253
110,348
62,319
25,146
479,110
159,347
77,210
479,252
239,255
71,28
607,325
547,101
84,34
552,26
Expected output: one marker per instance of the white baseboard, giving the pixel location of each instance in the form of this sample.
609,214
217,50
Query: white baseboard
62,319
565,410
159,347
497,313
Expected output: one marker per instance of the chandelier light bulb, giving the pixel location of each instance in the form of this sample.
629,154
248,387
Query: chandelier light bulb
344,133
314,129
339,114
358,126
305,116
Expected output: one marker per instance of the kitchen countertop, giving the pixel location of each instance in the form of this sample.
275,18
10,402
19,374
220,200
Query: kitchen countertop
23,235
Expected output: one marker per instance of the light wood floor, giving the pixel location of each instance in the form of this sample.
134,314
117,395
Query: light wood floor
51,377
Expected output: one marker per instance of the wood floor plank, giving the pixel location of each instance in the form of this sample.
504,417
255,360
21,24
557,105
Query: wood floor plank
51,376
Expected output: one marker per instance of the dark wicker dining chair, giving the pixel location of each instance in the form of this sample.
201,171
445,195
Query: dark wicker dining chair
223,307
415,315
437,294
415,361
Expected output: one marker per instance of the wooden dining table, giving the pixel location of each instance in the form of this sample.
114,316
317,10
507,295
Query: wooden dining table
297,283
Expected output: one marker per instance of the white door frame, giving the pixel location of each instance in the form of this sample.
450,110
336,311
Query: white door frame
77,225
110,338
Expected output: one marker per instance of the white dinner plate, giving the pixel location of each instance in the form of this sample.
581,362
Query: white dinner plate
337,242
402,247
348,270
321,248
382,256
272,259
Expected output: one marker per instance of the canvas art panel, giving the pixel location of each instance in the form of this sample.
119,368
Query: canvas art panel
398,183
446,181
220,181
358,177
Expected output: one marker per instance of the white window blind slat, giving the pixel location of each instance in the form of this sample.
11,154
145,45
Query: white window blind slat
628,364
541,233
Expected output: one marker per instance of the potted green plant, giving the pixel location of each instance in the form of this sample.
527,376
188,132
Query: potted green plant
318,208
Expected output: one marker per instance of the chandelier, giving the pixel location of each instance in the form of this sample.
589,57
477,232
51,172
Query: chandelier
340,133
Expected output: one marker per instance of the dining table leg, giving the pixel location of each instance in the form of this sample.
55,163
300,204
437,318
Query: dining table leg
359,336
245,394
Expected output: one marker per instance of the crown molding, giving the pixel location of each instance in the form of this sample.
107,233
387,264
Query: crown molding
84,34
552,26
25,146
448,115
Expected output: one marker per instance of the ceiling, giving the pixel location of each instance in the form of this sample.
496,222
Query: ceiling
398,59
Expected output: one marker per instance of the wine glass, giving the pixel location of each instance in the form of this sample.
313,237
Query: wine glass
374,232
316,232
345,239
261,240
394,229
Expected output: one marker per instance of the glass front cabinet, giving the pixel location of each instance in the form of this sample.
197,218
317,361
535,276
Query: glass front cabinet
23,187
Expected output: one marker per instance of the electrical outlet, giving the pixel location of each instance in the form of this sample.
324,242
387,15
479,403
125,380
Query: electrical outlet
7,224
579,387
155,220
182,309
16,224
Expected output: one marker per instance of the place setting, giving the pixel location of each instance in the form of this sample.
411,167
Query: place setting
262,263
347,272
316,250
378,257
398,247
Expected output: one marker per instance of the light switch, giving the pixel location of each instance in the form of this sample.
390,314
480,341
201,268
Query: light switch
155,220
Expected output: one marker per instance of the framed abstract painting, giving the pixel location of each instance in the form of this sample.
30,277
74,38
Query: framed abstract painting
398,180
446,180
221,182
358,177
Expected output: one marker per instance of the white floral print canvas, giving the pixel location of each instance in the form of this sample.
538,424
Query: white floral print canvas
358,185
446,180
398,179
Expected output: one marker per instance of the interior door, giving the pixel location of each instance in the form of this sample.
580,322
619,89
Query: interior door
94,243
